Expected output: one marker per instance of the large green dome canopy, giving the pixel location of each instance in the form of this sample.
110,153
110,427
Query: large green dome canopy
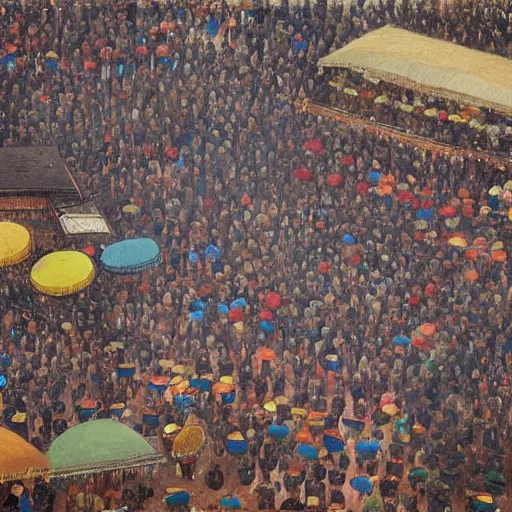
99,445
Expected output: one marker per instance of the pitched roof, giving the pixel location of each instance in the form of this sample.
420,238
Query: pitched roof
430,66
35,171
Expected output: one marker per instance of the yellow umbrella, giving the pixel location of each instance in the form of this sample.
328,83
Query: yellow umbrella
178,369
508,185
171,428
381,100
270,406
350,92
131,208
15,243
297,411
52,55
497,246
176,380
404,107
495,191
189,441
62,273
390,409
458,241
455,118
227,379
430,112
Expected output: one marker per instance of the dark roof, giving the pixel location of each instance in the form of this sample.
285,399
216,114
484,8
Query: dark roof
35,171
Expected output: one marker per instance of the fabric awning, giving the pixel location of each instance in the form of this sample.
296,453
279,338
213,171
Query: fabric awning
430,66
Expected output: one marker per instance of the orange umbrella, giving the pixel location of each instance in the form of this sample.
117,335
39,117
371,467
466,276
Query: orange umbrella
162,50
385,190
221,388
480,241
428,329
266,354
420,343
304,436
471,254
498,256
472,275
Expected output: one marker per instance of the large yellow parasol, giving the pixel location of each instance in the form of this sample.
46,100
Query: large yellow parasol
62,273
19,459
15,243
189,441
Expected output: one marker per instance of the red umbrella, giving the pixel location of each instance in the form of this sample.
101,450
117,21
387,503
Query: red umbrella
414,301
347,160
141,50
334,180
324,267
447,211
405,196
246,200
266,315
315,146
162,50
362,188
303,174
273,300
89,250
430,290
236,315
266,354
89,65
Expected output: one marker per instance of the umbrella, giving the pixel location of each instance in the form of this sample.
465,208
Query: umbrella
333,441
348,239
418,474
266,354
448,211
472,275
428,329
189,441
334,180
498,256
197,305
368,447
324,267
278,432
314,146
425,214
196,316
238,303
457,241
231,502
223,309
236,444
273,300
236,315
303,174
176,497
401,341
362,484
390,409
267,327
212,252
266,315
307,451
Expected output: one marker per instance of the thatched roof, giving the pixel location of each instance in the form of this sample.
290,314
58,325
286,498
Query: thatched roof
36,171
429,65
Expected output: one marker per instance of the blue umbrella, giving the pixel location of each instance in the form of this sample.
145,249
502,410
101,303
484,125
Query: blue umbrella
5,360
193,257
425,214
183,401
3,381
231,502
197,305
348,239
362,484
223,309
307,451
401,341
196,316
278,432
238,303
212,252
375,176
177,498
267,327
368,448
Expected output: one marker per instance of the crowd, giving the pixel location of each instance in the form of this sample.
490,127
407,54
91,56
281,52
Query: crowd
444,121
355,287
